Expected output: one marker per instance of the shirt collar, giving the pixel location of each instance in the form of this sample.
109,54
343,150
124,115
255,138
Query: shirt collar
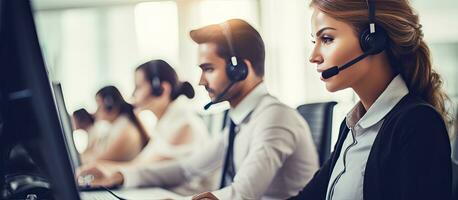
395,91
248,104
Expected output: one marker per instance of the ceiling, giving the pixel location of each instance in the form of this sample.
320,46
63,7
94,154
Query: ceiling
69,4
66,4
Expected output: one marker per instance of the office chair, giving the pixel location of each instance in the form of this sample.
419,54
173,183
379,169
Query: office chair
319,119
454,180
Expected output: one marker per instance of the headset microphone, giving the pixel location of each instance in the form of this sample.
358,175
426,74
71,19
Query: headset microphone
373,39
220,96
236,68
335,70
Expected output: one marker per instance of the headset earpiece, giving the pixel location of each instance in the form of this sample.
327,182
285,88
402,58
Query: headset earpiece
236,69
108,103
156,87
373,43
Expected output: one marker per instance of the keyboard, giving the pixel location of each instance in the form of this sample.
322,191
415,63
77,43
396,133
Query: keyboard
99,195
96,188
131,193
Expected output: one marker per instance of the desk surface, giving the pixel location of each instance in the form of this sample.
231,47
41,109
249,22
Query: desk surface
140,193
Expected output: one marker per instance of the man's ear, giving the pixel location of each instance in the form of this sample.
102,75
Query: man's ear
250,66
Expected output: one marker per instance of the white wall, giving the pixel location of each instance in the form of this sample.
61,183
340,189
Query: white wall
89,44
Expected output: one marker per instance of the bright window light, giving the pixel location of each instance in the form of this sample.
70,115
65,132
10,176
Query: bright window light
156,24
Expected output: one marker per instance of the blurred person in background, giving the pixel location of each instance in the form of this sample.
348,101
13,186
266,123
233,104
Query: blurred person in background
118,134
179,131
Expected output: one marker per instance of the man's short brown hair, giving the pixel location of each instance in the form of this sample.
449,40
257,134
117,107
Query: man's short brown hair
246,42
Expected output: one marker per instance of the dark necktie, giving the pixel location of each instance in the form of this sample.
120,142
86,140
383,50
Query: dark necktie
228,167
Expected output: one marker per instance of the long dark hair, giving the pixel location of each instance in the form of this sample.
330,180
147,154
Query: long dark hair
82,116
113,101
407,51
166,73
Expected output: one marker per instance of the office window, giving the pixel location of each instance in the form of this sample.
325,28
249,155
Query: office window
156,25
445,62
217,11
71,48
86,49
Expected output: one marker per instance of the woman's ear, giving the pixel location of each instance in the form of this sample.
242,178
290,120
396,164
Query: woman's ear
167,89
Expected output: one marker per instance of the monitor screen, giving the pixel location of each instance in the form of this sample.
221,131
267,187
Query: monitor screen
30,114
66,124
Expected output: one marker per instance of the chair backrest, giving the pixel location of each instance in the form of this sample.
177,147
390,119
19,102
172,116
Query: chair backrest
319,119
454,180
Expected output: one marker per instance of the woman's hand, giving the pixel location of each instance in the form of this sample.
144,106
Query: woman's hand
95,175
205,196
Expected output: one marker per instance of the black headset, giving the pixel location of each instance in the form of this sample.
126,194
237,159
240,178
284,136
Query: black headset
373,40
108,103
236,68
156,88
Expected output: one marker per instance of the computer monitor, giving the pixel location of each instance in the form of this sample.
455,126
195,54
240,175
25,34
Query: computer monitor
66,124
29,111
2,152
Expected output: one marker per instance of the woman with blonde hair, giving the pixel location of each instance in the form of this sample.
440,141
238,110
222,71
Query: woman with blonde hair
393,145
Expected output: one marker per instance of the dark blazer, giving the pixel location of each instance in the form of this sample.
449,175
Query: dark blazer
409,160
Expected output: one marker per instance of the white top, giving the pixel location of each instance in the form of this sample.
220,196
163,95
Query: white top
105,133
364,127
274,154
176,117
